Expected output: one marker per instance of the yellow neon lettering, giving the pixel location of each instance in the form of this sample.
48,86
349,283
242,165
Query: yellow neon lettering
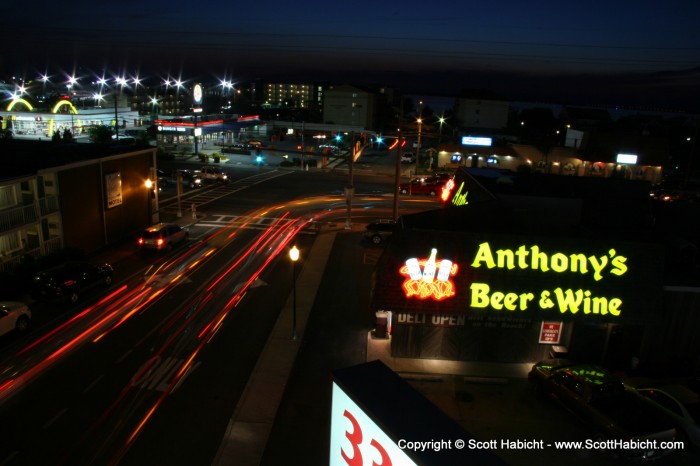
619,264
460,198
534,258
568,300
522,254
614,306
579,263
598,266
538,257
480,295
510,300
484,255
496,299
545,302
506,258
560,263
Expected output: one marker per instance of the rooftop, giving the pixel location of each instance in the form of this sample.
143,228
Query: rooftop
26,158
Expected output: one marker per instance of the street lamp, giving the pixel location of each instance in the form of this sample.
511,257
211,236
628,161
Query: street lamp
294,256
420,123
441,120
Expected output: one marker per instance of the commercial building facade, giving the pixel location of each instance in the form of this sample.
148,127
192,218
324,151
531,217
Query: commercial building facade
518,278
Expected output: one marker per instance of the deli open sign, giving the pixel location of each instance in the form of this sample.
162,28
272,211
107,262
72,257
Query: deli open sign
550,332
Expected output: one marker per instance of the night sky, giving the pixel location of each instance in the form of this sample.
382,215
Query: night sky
610,52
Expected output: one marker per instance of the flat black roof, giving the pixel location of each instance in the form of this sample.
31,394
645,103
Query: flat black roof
20,158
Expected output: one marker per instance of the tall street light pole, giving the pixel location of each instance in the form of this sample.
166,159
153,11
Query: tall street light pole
442,122
420,124
397,175
419,121
294,256
350,189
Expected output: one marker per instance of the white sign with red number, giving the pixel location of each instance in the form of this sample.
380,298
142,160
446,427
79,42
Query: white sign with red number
356,440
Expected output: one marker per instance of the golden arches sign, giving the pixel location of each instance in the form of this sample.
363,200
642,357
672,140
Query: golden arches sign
21,101
74,111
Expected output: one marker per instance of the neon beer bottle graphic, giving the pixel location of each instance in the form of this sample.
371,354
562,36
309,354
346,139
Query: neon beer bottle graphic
445,270
429,269
414,269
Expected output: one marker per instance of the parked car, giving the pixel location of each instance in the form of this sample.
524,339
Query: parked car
408,157
190,178
380,231
14,316
432,187
440,177
162,236
611,409
67,282
163,178
328,149
682,404
213,174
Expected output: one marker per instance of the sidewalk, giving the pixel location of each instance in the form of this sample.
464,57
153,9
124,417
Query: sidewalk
250,427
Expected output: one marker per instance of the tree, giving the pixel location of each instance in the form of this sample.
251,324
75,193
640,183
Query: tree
100,134
67,136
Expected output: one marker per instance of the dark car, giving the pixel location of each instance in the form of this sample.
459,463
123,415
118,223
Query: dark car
189,178
163,178
162,236
682,404
611,409
380,231
67,282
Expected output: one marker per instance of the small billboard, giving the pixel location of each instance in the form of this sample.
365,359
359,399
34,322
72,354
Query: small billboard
476,141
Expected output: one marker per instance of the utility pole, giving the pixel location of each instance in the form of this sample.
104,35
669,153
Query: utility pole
116,117
397,176
419,121
350,188
303,148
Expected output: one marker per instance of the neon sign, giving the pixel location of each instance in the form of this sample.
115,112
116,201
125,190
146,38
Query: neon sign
447,189
460,198
428,278
19,101
533,258
536,259
61,104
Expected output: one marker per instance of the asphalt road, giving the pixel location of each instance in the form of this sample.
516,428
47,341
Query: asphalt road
153,373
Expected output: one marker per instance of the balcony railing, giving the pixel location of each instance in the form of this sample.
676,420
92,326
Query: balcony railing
11,262
27,214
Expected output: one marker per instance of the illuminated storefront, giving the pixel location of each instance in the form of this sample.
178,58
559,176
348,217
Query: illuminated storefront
63,116
495,280
182,129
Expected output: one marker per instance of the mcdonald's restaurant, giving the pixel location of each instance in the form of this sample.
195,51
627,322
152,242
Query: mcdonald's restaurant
518,270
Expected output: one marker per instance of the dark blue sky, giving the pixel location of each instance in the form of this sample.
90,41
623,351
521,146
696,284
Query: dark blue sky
644,52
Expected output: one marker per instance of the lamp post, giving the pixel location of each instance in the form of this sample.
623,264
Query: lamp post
420,122
294,256
441,120
397,175
350,188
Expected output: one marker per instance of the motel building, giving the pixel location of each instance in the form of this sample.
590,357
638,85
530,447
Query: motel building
537,267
